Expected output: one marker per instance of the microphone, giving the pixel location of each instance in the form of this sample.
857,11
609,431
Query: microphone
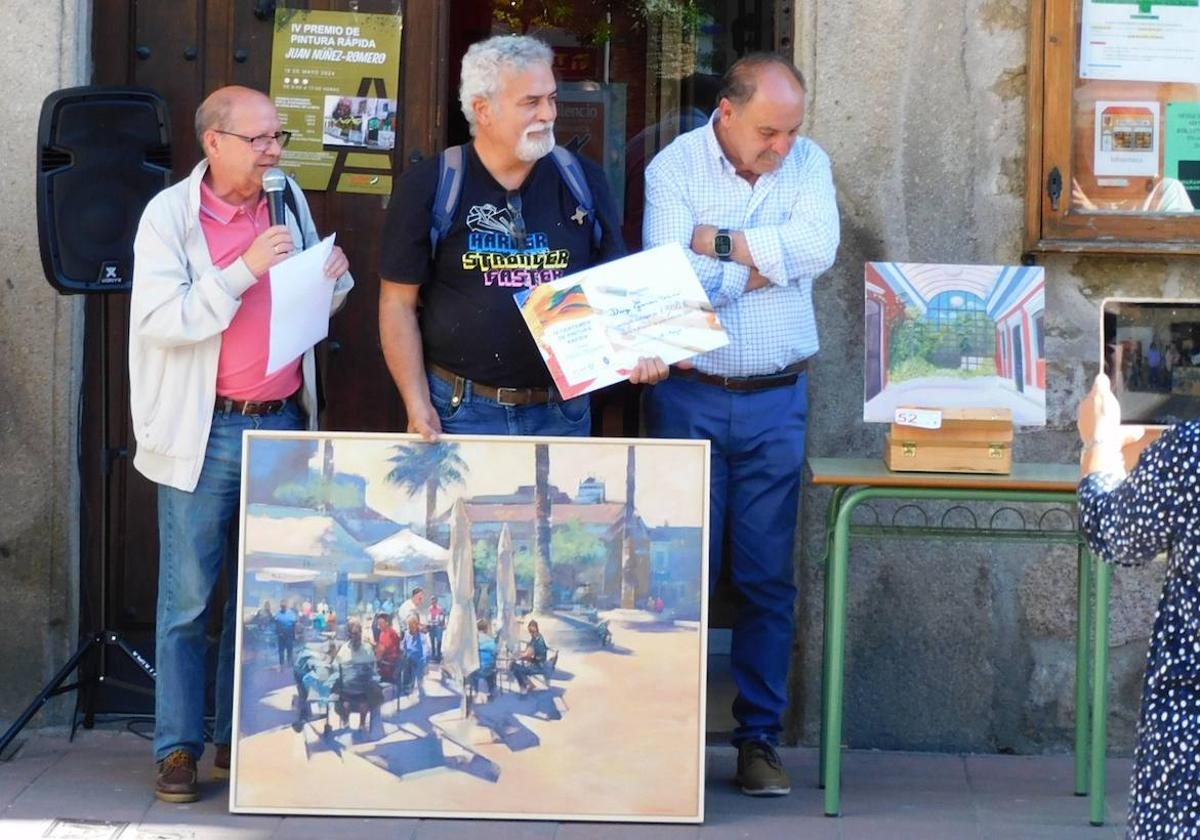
274,182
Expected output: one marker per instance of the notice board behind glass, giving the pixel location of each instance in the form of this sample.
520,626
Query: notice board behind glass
1114,126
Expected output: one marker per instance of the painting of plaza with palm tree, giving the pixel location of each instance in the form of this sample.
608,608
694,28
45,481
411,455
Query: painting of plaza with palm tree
495,627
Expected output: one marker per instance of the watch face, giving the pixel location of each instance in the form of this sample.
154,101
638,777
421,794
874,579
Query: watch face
723,244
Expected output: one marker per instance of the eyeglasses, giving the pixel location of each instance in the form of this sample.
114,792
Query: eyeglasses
263,141
513,200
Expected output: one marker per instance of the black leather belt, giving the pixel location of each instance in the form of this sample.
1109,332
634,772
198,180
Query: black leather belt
502,395
251,408
779,379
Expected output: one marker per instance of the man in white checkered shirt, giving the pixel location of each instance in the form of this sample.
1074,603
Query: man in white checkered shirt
753,203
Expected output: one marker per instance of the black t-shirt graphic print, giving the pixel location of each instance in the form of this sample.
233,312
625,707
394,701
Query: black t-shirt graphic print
469,321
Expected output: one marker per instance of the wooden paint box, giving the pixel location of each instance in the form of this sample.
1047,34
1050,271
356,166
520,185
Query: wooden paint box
973,440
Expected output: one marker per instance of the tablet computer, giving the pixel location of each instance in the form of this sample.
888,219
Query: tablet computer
1151,352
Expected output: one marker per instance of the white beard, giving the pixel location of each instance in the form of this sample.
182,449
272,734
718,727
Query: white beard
531,149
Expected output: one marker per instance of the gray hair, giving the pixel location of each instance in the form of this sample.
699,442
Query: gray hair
213,113
483,62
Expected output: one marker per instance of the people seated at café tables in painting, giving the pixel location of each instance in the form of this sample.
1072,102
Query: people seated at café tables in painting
488,651
316,676
358,686
532,659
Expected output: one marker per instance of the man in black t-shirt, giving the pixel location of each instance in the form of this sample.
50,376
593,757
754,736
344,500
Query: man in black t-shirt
453,337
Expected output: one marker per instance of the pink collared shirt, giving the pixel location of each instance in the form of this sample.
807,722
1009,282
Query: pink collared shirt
242,369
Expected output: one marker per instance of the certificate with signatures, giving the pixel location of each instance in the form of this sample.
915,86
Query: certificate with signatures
593,326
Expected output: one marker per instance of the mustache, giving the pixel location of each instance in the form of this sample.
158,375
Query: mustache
537,127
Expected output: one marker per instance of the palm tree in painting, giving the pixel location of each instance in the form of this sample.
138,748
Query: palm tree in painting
543,595
628,569
429,467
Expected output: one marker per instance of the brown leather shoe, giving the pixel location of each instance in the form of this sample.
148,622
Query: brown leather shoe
759,770
221,762
176,781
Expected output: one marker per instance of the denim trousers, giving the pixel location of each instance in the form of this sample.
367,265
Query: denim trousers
193,530
756,459
478,415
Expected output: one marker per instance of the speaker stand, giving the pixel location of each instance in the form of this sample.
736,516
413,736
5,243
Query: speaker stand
55,687
99,641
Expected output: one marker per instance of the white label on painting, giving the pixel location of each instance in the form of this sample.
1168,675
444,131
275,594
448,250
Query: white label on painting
1140,42
919,418
1126,138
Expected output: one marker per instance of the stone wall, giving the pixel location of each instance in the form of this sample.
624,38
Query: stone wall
921,105
43,47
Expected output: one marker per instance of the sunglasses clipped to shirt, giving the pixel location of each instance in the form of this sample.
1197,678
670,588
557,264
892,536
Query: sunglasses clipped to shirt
263,141
513,200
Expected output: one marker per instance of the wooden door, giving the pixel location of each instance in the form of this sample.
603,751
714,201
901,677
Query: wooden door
184,49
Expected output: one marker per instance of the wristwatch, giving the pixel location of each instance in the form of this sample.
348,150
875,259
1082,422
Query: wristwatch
723,245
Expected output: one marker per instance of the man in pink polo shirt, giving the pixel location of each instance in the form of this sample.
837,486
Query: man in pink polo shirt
199,335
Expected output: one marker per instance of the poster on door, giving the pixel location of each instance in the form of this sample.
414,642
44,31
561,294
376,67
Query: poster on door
334,80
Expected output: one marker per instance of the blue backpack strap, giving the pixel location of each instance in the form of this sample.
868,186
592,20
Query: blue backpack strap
572,173
445,198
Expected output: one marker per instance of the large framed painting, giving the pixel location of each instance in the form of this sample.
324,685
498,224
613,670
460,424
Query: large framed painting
480,627
954,336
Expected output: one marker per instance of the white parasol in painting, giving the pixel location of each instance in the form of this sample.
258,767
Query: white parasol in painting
460,646
405,554
507,629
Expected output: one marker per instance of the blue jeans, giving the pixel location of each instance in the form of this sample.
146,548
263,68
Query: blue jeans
192,532
756,459
477,415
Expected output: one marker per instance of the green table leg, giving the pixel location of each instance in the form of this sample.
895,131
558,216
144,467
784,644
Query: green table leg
835,502
835,646
1083,622
1100,693
836,574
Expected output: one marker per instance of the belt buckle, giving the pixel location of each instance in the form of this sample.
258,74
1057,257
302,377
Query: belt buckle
502,401
248,408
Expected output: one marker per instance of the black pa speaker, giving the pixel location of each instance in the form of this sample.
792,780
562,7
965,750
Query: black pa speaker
103,152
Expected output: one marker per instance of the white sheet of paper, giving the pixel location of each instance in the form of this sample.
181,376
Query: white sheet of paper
301,295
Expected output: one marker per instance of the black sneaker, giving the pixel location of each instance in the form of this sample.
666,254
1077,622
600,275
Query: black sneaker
759,770
176,779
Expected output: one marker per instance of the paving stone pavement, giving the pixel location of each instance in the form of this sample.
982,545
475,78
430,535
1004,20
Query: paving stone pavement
100,787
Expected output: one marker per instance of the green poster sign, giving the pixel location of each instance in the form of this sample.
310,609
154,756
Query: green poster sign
1147,6
334,78
1181,146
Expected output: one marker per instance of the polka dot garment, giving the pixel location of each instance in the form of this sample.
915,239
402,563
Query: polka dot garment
1129,521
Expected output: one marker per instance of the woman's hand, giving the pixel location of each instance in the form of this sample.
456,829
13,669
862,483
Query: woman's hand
1100,429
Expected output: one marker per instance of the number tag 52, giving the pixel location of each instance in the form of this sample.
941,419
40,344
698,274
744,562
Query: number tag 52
920,418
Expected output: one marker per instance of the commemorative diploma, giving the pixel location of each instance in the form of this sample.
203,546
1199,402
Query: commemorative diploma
593,326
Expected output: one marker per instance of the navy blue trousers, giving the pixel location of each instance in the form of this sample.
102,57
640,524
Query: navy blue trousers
756,460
